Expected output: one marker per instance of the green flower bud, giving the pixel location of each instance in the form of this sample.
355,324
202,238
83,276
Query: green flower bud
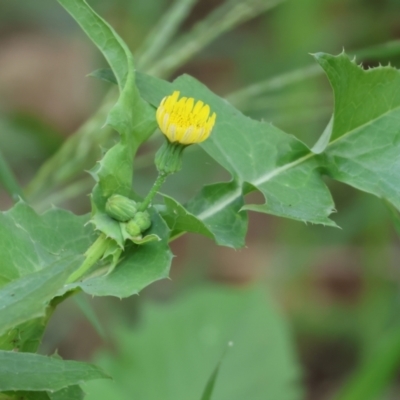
169,157
121,208
133,228
142,219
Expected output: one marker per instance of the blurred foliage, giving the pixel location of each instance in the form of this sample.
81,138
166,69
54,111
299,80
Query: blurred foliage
177,346
338,288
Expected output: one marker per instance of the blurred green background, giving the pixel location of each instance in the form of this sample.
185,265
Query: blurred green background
332,294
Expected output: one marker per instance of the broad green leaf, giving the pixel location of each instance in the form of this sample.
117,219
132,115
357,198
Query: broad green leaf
139,267
26,298
365,147
222,215
37,255
30,242
258,155
179,345
227,227
362,152
26,337
262,156
33,372
131,117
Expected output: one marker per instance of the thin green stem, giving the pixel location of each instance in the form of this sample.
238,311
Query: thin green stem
93,254
223,19
157,184
162,33
8,181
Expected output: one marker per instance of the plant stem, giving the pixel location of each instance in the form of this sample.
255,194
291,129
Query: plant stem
224,18
162,33
9,182
93,254
157,184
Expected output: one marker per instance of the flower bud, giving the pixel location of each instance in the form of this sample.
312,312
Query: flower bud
133,228
169,158
142,219
121,208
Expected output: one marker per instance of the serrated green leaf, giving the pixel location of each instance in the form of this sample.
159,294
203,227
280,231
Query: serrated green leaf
258,155
139,267
30,242
363,151
365,147
227,226
26,298
179,345
26,371
37,254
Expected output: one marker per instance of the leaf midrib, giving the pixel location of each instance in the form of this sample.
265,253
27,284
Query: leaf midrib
220,205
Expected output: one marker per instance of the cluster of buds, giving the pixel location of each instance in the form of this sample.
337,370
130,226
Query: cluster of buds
126,212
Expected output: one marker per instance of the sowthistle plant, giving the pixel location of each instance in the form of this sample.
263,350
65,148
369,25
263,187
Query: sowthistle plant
124,248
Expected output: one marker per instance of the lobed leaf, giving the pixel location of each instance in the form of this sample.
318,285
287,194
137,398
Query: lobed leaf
258,155
365,146
359,147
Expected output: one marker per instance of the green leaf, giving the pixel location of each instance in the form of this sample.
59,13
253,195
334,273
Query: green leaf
140,266
26,371
26,298
30,242
227,226
259,156
365,147
360,147
68,393
179,345
37,255
26,337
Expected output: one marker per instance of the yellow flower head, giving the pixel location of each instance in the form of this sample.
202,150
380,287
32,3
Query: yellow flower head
182,121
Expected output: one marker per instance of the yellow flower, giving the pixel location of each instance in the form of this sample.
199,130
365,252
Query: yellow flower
182,121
